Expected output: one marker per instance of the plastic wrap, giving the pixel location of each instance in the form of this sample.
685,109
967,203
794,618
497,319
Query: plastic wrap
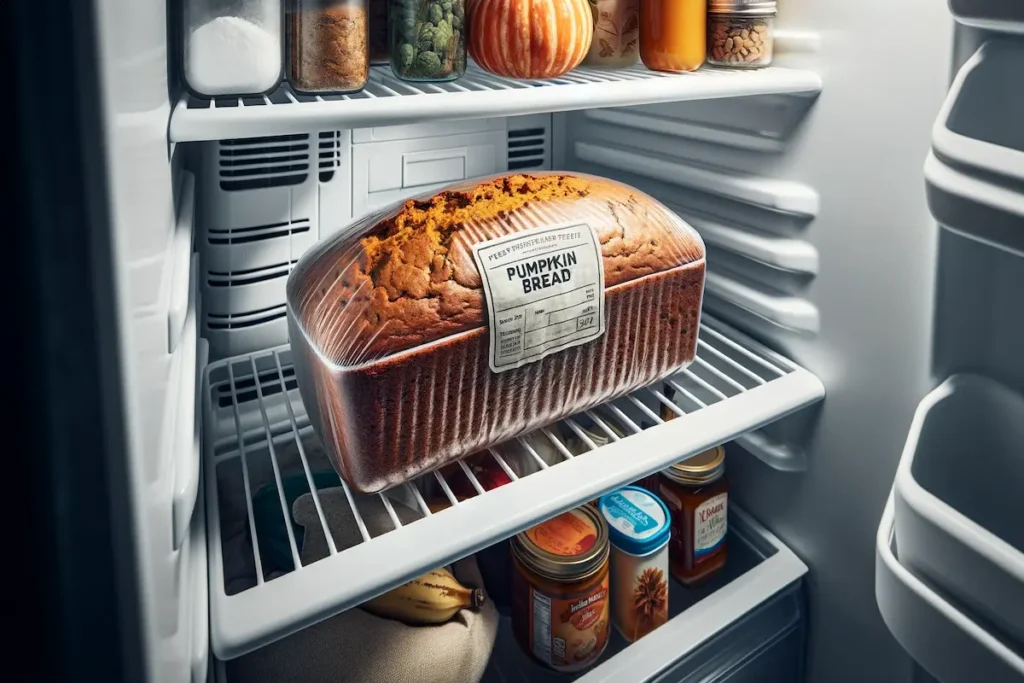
397,363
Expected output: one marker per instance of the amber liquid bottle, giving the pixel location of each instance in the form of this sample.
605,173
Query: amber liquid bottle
697,495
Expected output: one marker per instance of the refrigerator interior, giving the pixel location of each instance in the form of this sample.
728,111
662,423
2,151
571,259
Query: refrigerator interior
827,272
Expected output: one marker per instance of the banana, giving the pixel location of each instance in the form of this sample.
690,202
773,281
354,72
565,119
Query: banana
433,598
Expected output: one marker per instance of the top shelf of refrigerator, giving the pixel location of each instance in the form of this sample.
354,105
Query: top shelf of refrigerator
388,101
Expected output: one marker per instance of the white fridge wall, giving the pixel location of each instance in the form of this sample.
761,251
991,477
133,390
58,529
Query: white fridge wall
860,149
134,102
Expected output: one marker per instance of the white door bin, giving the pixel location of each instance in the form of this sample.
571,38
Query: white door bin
975,172
941,638
994,15
958,500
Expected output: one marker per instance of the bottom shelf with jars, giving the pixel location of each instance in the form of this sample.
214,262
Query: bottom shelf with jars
744,623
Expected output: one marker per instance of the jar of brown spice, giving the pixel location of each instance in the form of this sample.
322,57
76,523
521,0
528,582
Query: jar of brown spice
329,46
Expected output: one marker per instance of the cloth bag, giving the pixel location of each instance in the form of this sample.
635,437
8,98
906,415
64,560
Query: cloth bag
358,647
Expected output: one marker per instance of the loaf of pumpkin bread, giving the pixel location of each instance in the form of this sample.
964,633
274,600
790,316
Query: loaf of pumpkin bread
389,322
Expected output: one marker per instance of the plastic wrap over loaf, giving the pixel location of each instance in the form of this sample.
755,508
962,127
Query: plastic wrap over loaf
391,334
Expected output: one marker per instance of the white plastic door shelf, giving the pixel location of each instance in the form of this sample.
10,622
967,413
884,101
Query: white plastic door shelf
948,644
975,173
993,15
959,519
257,435
477,95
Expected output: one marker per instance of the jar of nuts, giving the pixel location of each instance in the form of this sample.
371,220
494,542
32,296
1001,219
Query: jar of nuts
741,33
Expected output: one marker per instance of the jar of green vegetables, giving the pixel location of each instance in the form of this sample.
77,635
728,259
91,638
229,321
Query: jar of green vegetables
428,39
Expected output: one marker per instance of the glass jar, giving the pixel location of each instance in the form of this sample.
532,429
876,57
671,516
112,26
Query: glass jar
232,47
697,494
560,612
328,46
673,34
427,39
616,33
638,530
741,33
379,36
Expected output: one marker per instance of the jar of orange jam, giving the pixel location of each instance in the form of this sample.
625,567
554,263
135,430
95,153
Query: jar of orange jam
673,34
697,495
560,609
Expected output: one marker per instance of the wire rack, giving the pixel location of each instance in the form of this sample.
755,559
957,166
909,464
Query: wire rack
477,94
264,465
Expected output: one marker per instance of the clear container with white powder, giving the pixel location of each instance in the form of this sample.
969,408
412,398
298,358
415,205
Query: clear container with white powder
232,47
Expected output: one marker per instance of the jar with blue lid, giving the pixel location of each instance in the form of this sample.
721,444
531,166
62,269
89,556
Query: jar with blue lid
639,527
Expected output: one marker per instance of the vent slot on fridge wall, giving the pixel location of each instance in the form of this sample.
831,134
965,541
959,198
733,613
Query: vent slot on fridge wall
250,276
228,235
529,142
245,332
252,163
238,321
329,153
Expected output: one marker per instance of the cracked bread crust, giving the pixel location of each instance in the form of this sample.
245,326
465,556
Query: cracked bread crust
410,279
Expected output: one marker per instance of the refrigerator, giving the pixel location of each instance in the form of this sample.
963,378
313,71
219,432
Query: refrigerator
862,204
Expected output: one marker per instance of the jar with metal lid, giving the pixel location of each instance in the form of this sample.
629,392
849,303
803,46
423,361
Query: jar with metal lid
697,495
560,608
741,33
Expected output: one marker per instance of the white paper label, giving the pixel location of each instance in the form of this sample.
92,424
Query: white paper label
544,290
710,520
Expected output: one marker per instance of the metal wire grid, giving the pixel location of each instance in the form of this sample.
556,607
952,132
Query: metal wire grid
256,386
477,94
382,84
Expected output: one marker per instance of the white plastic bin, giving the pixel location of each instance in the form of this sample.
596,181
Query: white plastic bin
958,497
942,639
994,15
975,173
232,47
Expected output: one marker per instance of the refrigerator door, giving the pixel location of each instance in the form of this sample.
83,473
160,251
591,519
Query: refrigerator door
111,286
950,549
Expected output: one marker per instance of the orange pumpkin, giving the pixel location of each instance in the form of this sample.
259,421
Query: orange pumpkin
529,38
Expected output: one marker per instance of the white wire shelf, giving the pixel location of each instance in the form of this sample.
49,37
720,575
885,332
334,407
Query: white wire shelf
258,444
386,100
